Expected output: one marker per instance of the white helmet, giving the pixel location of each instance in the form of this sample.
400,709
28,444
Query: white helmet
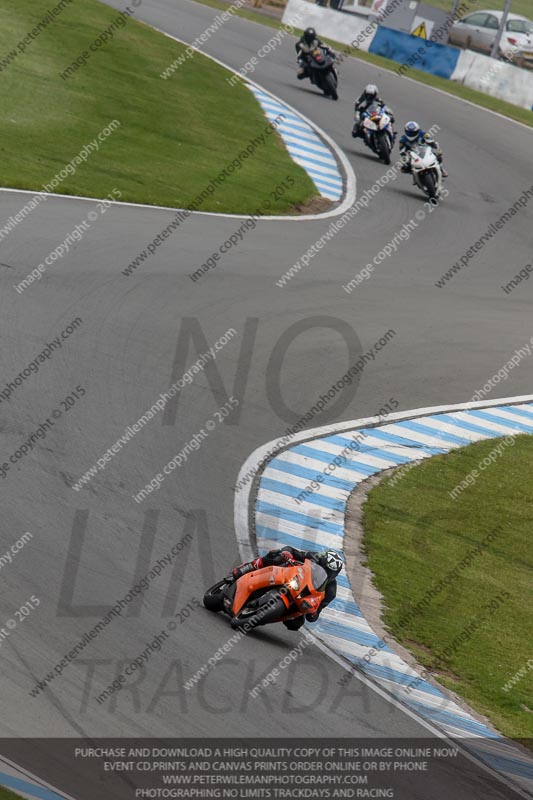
371,91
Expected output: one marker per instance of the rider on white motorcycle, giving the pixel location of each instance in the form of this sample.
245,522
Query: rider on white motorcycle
414,136
369,96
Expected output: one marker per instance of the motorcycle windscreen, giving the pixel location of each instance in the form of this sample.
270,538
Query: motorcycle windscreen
319,577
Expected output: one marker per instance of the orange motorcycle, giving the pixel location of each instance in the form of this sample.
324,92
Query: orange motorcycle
270,594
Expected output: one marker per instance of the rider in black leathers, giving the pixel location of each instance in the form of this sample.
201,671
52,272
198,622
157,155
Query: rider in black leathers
330,560
305,45
369,96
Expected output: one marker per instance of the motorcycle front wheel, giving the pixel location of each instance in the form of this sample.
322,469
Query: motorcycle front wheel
430,184
329,86
213,598
384,148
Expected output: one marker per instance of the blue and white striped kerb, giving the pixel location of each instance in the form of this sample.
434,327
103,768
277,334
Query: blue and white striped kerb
304,146
318,522
17,783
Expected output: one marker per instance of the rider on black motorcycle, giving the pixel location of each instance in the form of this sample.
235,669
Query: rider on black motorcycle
369,96
305,45
329,560
413,136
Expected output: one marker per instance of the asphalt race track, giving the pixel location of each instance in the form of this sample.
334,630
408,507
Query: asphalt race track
448,342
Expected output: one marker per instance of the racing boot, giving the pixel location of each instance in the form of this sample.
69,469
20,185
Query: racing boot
243,569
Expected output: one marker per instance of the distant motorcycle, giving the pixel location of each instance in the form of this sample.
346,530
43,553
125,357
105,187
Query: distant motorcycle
426,171
322,73
270,594
376,123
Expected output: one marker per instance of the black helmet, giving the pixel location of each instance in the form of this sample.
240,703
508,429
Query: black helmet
309,35
332,561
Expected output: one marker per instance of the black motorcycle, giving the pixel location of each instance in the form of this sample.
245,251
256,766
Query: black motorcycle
321,71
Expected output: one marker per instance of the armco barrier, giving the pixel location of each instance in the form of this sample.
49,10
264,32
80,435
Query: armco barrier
496,78
345,28
412,51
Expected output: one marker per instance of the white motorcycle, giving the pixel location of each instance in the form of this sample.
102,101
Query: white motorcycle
426,171
377,131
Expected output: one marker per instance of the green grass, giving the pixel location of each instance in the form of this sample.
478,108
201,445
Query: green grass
415,534
175,134
5,794
484,100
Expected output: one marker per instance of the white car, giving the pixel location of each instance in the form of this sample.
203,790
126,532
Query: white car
478,31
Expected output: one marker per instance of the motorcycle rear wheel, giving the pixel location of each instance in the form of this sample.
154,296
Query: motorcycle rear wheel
259,616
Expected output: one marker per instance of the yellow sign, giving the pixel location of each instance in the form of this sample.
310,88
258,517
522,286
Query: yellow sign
420,31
